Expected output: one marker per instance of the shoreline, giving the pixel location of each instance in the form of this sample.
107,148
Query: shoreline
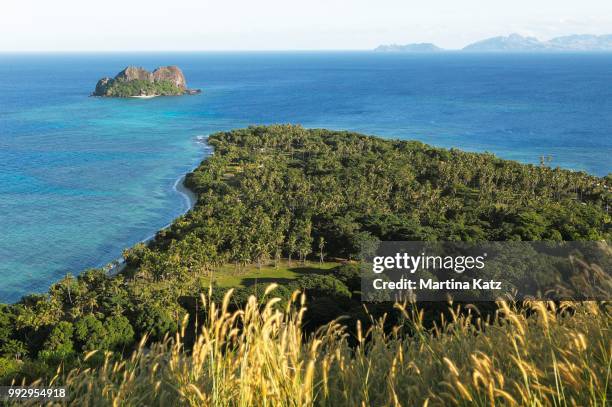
190,200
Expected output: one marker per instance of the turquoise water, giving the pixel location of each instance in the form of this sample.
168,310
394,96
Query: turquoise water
83,178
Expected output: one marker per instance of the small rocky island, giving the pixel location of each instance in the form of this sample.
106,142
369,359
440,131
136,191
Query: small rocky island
138,82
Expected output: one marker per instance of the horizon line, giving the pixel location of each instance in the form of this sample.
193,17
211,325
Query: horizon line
178,51
438,51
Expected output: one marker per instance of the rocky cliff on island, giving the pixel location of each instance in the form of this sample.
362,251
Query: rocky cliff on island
138,82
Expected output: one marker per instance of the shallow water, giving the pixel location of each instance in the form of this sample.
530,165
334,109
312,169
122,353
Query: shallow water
82,178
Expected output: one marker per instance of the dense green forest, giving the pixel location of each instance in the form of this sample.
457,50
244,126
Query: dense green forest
285,192
136,87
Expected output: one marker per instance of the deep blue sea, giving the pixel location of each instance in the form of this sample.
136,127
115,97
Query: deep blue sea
82,178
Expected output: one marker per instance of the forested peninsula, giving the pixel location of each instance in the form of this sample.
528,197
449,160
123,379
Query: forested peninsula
294,206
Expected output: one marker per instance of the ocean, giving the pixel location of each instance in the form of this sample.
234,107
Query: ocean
82,178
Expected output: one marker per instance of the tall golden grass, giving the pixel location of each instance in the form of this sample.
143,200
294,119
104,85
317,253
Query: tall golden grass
543,355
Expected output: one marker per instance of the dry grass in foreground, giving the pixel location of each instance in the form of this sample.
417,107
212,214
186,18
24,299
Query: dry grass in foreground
259,357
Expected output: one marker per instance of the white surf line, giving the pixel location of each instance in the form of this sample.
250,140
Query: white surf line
190,200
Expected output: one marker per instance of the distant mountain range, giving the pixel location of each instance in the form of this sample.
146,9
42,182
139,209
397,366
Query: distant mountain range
519,43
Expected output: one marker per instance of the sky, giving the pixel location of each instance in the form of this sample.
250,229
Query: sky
185,25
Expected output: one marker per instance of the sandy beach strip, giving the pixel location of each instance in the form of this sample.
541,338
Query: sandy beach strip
190,199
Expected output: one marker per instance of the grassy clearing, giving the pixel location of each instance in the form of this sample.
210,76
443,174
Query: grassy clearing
231,276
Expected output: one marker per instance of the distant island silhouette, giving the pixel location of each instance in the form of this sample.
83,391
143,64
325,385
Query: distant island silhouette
518,43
